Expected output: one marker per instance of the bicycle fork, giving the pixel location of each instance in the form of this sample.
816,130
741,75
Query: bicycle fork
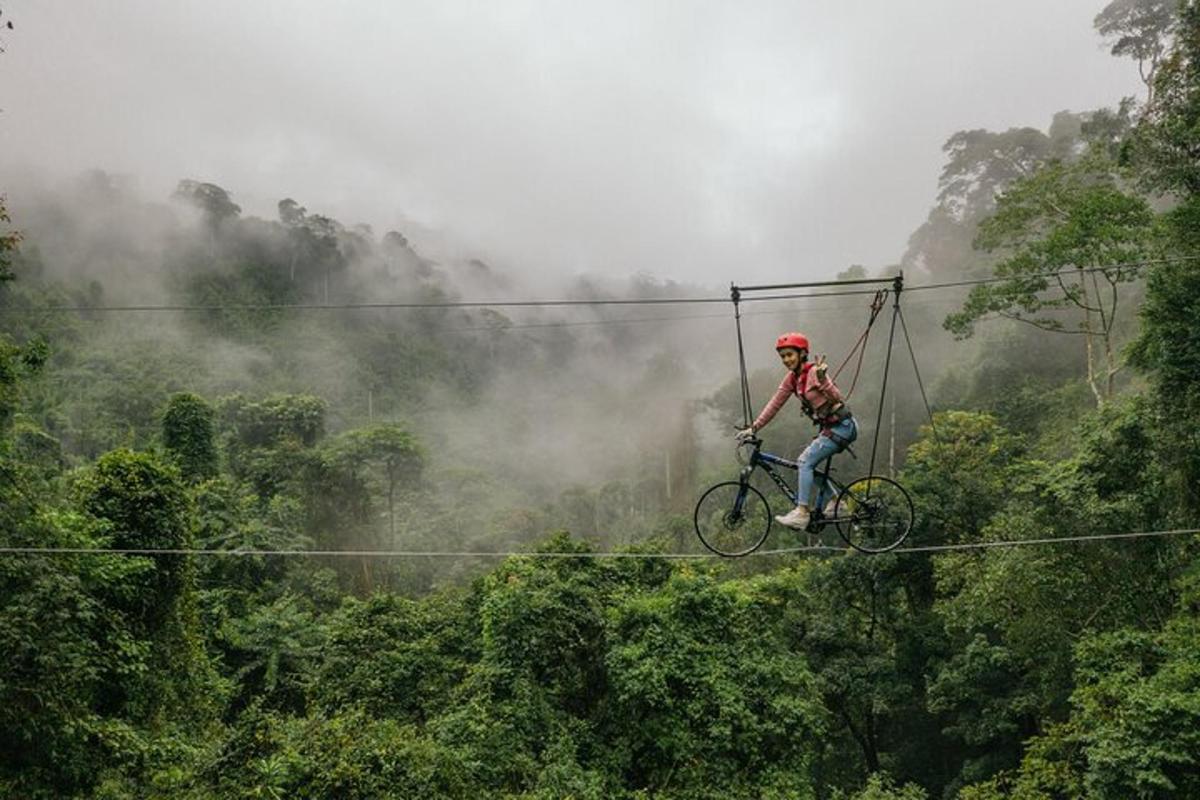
739,502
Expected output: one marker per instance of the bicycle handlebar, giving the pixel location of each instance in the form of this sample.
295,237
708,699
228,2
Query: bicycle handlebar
753,441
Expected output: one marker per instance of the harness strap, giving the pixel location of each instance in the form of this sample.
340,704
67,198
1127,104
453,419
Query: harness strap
841,441
837,417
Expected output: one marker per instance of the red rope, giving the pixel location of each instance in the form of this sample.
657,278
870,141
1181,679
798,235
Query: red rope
861,344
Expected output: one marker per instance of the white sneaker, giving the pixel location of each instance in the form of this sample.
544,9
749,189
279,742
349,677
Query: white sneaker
830,509
797,518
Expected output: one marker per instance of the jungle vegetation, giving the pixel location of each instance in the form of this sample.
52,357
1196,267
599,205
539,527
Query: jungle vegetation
1065,406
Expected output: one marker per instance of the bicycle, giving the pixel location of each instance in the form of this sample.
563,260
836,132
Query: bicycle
872,514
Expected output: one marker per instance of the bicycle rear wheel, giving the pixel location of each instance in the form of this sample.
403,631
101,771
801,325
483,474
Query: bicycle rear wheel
732,519
874,514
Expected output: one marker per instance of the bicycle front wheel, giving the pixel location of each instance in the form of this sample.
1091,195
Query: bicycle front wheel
732,519
874,515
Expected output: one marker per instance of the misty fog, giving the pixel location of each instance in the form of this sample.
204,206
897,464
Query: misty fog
443,152
694,142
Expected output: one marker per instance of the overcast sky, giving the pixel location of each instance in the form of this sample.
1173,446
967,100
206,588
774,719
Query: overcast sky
753,141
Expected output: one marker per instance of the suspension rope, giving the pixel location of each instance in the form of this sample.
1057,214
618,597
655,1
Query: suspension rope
562,302
920,384
146,551
861,344
1131,265
887,364
1047,540
934,548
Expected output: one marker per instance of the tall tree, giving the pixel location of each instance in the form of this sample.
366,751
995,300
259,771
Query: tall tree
187,432
1075,220
1166,144
389,448
9,241
212,200
980,166
1140,29
8,26
142,504
1165,148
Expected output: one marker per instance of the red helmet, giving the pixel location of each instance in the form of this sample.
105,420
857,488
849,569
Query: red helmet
796,340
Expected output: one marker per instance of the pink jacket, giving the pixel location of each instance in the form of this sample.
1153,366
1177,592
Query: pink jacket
822,396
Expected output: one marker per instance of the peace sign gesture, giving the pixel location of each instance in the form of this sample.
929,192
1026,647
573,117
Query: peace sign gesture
821,367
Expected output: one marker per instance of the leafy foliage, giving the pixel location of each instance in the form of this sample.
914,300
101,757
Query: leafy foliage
187,432
1139,29
1064,218
1166,142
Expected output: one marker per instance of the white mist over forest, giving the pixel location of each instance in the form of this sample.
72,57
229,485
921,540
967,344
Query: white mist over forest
693,142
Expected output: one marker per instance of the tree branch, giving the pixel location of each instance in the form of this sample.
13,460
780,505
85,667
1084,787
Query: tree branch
1039,326
1072,296
1104,320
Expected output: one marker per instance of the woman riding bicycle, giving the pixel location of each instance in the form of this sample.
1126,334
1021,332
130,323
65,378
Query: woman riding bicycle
823,403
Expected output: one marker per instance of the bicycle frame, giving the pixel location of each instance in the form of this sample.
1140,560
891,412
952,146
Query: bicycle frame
869,524
767,461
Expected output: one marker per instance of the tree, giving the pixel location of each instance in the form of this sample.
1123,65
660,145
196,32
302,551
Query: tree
211,200
710,692
10,240
282,417
1073,219
66,654
313,243
16,364
1133,727
1166,143
1168,350
348,754
7,26
402,659
1015,615
187,432
392,450
980,166
1140,29
880,786
961,478
291,213
143,504
1165,149
273,651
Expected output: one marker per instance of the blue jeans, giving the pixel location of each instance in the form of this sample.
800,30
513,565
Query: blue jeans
817,451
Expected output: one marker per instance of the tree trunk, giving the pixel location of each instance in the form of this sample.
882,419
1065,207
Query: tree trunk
1088,336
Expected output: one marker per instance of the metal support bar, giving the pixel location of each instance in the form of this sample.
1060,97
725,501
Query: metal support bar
813,285
747,409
